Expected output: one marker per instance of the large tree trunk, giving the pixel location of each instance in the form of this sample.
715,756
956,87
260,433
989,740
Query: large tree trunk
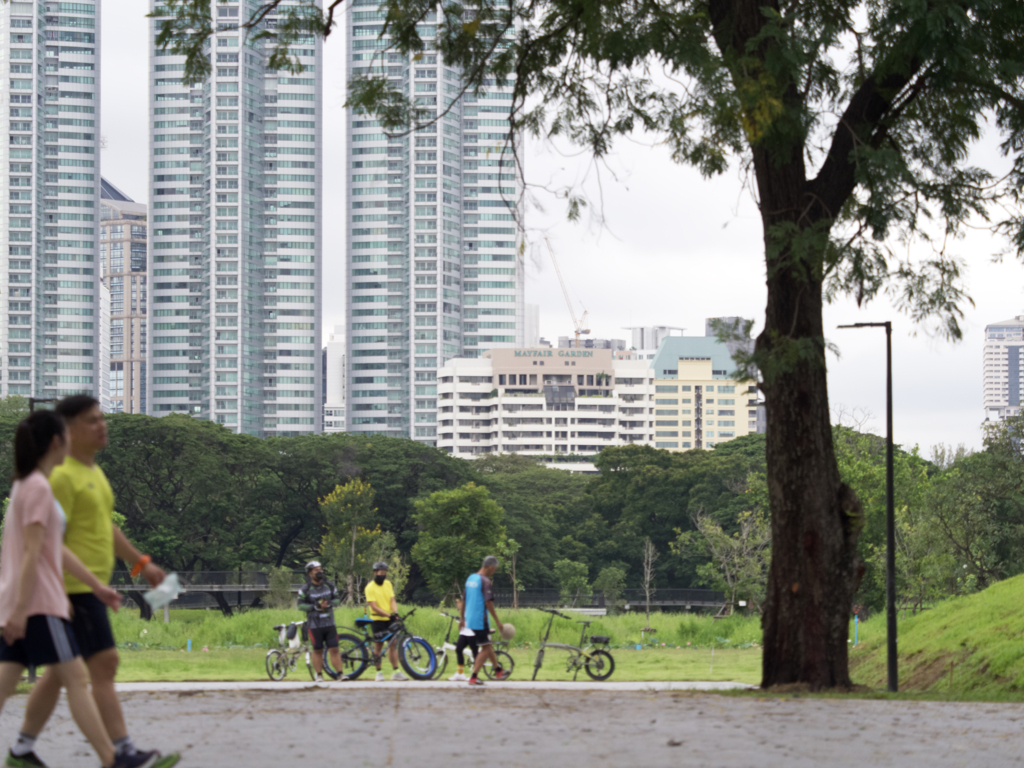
815,517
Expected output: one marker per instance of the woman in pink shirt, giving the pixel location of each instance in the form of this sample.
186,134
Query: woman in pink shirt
33,605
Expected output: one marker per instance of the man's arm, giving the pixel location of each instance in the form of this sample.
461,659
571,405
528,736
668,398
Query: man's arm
374,608
494,613
303,603
335,596
124,549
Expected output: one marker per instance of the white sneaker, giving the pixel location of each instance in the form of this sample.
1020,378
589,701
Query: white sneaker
319,678
380,677
458,677
396,675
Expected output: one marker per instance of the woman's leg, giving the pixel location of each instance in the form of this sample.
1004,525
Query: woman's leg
10,674
73,677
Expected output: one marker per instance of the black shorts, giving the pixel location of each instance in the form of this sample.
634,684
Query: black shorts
47,640
381,628
322,636
91,624
483,637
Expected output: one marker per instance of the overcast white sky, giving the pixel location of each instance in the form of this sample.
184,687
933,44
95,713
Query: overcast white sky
674,250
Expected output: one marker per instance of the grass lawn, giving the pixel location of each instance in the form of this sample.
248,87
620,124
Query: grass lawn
246,664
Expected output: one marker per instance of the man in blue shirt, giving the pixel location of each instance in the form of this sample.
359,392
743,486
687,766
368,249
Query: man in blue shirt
478,603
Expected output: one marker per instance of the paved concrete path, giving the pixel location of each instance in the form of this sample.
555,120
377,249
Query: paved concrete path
521,685
415,726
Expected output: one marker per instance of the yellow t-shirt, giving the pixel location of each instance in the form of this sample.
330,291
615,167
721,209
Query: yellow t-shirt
88,502
381,595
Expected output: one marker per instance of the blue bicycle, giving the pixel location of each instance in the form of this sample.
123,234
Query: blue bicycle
414,653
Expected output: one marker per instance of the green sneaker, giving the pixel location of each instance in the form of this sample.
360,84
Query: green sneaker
167,760
28,760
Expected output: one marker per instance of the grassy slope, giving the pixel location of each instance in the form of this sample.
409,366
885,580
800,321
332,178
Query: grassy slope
968,647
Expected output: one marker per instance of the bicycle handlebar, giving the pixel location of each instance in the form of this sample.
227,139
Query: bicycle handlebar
557,613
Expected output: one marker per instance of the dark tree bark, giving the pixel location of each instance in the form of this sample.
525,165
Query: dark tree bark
815,517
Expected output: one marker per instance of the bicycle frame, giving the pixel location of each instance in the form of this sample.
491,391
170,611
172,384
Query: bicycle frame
576,652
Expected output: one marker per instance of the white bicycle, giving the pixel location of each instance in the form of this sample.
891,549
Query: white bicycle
446,647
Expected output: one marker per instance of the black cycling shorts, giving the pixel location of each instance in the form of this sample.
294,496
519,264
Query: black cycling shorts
381,628
321,636
47,640
91,623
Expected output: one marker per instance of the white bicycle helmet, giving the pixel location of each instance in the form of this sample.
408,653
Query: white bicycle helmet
312,564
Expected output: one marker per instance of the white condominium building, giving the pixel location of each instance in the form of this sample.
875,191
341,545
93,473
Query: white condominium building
1003,368
432,243
49,331
235,236
335,379
545,401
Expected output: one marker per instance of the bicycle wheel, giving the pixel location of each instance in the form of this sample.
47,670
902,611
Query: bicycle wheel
354,658
277,664
506,663
536,665
417,658
600,665
440,664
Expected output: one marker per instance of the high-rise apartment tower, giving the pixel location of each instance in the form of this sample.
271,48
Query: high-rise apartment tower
122,240
49,334
1003,371
235,237
433,265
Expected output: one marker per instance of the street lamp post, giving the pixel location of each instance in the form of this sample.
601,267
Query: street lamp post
890,512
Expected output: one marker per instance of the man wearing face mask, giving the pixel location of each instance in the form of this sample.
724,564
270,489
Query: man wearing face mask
383,609
318,597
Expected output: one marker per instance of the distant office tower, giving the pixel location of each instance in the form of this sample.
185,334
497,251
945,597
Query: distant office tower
1003,368
569,342
236,233
50,340
651,336
123,272
335,379
432,243
531,326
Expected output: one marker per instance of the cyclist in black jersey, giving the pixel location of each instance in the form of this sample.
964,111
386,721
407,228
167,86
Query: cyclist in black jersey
318,597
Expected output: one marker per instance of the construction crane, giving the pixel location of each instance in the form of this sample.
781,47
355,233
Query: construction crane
581,322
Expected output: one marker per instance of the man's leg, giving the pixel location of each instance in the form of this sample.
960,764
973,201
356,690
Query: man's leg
486,653
393,656
377,655
318,660
336,661
102,669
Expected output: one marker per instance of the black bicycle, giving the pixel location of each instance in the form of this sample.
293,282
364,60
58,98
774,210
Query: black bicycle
596,662
414,653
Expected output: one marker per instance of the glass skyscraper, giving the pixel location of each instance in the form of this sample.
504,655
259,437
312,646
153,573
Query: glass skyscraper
432,247
50,334
235,233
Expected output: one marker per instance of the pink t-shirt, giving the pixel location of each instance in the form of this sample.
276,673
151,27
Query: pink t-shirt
32,502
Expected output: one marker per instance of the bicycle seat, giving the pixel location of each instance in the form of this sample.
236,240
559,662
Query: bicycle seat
585,623
279,626
600,639
364,623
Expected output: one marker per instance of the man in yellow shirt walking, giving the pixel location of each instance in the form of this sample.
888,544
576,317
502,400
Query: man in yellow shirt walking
383,610
88,502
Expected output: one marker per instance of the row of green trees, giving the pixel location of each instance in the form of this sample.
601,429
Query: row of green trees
198,497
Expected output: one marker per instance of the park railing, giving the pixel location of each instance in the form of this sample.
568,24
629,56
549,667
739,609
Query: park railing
227,590
542,597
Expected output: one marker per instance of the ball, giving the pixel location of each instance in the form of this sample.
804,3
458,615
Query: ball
508,631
